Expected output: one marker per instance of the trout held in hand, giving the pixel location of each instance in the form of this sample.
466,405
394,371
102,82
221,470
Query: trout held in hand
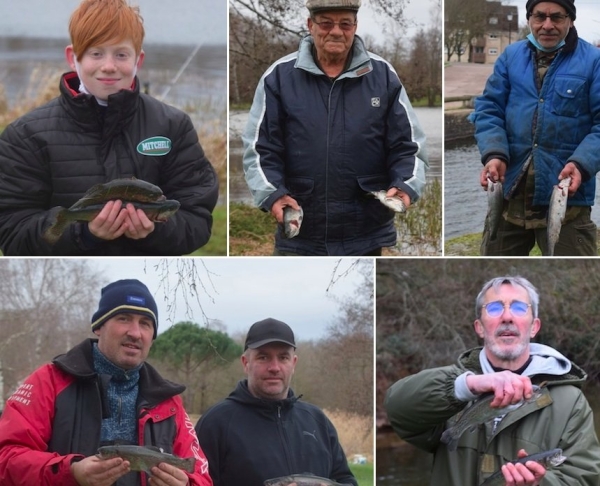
301,480
551,458
144,459
143,195
495,204
556,212
393,202
480,413
123,189
292,220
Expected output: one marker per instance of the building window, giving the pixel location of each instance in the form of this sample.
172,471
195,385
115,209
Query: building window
493,36
478,50
493,52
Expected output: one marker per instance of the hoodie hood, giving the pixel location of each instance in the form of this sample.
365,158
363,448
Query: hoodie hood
547,364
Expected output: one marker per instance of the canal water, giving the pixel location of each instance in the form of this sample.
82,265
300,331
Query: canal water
430,119
465,202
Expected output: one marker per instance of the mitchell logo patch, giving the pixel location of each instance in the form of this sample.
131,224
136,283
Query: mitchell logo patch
154,146
376,102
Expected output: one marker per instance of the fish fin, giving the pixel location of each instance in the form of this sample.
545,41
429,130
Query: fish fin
53,232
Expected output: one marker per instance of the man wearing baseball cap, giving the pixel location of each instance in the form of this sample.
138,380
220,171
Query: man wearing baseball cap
538,123
101,392
330,125
262,430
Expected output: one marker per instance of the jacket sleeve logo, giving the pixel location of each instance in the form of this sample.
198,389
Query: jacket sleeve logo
154,146
375,102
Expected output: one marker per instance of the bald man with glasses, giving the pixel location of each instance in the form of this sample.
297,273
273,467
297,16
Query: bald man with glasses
329,126
509,366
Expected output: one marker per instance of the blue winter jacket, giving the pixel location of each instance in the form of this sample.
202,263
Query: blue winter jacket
328,143
558,124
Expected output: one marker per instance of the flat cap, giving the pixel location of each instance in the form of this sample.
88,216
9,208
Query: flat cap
318,5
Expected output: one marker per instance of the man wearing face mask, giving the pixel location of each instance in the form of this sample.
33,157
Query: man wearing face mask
98,129
538,122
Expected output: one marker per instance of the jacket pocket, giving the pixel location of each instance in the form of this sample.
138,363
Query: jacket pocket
570,97
372,214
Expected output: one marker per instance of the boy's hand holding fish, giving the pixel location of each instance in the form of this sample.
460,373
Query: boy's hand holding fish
508,387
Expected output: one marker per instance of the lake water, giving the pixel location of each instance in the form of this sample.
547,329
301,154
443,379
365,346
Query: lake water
201,89
34,33
430,119
465,202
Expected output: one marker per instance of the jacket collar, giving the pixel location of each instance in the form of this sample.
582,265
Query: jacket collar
359,65
85,109
78,362
242,394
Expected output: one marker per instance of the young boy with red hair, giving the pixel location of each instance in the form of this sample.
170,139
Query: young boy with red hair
97,130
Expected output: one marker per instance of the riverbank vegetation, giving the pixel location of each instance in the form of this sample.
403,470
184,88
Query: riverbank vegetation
251,231
469,245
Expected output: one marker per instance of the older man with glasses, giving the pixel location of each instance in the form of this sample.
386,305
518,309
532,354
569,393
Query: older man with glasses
508,367
329,126
537,123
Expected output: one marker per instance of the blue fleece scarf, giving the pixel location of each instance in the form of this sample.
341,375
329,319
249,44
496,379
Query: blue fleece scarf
122,395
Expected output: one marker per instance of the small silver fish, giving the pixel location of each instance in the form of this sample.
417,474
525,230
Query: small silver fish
551,458
495,203
392,202
145,458
556,212
301,480
480,412
292,220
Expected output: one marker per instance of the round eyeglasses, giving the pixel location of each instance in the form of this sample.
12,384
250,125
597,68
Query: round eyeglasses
516,307
328,25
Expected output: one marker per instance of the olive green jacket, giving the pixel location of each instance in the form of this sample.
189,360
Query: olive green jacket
419,406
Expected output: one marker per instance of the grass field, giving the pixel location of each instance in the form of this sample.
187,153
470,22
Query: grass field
469,245
363,473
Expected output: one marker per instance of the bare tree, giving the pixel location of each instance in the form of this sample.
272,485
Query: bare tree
45,308
464,20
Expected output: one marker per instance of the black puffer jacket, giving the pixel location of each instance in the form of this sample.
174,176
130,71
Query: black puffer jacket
248,440
54,154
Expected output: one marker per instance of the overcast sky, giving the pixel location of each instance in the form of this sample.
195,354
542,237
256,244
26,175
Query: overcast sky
179,22
246,290
417,13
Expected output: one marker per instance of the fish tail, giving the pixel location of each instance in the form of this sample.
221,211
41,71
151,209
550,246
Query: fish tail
57,228
189,464
448,439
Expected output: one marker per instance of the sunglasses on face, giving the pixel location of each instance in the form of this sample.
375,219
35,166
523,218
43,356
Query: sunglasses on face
516,307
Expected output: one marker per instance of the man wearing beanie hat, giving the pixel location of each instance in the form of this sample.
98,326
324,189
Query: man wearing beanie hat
536,124
262,430
329,126
101,392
